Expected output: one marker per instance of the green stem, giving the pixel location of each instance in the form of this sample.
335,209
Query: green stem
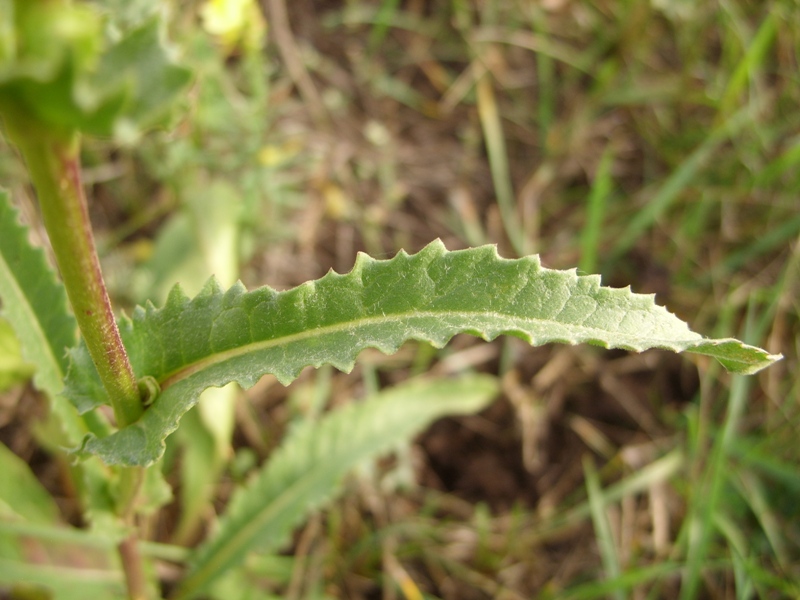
134,569
54,166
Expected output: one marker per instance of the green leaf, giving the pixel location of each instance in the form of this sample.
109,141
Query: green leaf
60,563
42,38
13,368
22,497
57,78
219,337
141,64
307,470
34,302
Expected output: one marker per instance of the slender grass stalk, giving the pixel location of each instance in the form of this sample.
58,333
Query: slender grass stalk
547,84
498,163
386,15
601,189
752,60
707,505
681,178
602,527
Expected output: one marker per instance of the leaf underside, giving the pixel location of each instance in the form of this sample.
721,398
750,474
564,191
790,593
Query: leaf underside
218,337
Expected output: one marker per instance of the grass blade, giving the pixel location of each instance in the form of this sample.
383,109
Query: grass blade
602,527
498,162
679,180
590,237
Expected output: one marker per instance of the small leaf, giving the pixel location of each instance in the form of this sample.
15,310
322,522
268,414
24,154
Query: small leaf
307,470
219,337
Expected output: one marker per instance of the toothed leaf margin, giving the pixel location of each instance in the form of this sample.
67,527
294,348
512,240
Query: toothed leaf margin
235,335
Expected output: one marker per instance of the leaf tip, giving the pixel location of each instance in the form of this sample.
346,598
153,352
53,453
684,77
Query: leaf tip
736,356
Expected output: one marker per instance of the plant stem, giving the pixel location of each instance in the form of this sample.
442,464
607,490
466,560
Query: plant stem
134,568
54,166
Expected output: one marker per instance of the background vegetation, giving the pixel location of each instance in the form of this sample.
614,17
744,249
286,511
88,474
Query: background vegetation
654,142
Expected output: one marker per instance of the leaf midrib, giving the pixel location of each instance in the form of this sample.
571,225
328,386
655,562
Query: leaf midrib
186,371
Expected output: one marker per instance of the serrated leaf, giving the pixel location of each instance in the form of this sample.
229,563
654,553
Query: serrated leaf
35,304
219,337
306,471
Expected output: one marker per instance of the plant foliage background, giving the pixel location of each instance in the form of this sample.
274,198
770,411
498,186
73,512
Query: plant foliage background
654,143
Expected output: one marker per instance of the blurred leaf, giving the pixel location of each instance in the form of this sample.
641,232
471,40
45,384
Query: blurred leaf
308,468
40,557
141,64
13,368
214,207
42,39
602,527
59,563
21,495
55,80
35,303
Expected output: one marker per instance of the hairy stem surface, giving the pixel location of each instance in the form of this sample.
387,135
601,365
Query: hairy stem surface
55,170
